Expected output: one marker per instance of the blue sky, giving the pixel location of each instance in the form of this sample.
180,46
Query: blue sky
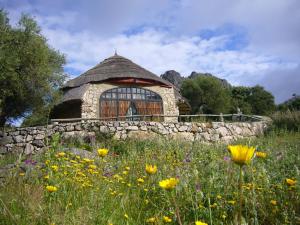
245,42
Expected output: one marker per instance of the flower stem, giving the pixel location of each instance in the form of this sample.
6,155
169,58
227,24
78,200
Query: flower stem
177,210
241,196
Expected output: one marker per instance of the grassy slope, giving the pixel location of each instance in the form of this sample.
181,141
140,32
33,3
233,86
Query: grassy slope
207,190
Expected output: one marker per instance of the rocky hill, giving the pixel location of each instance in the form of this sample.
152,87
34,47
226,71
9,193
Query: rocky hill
175,78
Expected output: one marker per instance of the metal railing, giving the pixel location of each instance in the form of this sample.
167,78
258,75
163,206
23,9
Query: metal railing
161,117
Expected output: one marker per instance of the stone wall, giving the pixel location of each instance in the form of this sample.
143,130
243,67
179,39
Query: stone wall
90,101
33,139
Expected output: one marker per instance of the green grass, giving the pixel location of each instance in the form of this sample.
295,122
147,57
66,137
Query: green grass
207,185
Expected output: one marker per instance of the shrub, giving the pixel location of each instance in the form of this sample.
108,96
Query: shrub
289,120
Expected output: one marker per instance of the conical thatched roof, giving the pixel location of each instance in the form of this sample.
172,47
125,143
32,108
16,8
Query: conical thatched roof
114,67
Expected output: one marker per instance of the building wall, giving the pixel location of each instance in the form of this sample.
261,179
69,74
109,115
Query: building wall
90,101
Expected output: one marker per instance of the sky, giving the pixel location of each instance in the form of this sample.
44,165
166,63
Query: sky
246,42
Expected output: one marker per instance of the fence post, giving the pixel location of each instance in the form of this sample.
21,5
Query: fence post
221,117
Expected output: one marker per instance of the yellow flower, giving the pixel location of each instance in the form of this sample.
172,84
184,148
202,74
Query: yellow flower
219,196
232,202
168,184
61,154
126,216
273,202
290,182
51,188
21,174
167,219
140,180
127,168
125,172
92,167
54,168
200,223
241,154
151,220
150,169
46,177
261,154
102,152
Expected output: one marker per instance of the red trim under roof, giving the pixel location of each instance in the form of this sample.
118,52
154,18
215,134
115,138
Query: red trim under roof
129,80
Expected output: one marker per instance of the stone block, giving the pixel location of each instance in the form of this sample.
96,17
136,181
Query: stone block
29,149
18,139
182,136
134,128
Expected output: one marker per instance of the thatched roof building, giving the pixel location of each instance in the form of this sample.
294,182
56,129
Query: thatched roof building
118,87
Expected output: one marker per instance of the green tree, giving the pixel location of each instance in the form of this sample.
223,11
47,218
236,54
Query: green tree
30,70
261,101
240,99
206,95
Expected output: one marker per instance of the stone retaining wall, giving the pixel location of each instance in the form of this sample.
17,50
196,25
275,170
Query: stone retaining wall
33,139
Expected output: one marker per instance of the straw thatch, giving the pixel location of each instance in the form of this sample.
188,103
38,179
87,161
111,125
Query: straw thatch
114,67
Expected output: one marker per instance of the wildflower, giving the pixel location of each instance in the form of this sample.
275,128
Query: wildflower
127,168
167,219
125,172
168,184
273,202
92,167
213,205
126,216
219,196
290,182
150,169
151,220
102,152
232,202
261,154
141,180
21,174
241,154
54,168
86,160
61,154
200,223
46,177
51,188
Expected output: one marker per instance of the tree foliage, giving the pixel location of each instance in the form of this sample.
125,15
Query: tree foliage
30,70
206,95
262,101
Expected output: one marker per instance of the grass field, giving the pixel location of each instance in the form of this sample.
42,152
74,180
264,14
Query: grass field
116,189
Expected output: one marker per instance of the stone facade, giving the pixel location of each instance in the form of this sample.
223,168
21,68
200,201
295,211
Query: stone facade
33,139
90,100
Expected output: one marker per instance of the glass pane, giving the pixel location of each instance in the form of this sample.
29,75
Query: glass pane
128,90
114,95
123,90
122,96
142,91
133,90
138,90
128,96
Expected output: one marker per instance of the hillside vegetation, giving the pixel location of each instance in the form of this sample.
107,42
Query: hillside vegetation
61,187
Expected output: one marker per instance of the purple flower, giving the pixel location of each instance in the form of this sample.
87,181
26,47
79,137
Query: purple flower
30,162
226,158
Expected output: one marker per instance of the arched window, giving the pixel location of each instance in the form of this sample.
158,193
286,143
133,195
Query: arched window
128,101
